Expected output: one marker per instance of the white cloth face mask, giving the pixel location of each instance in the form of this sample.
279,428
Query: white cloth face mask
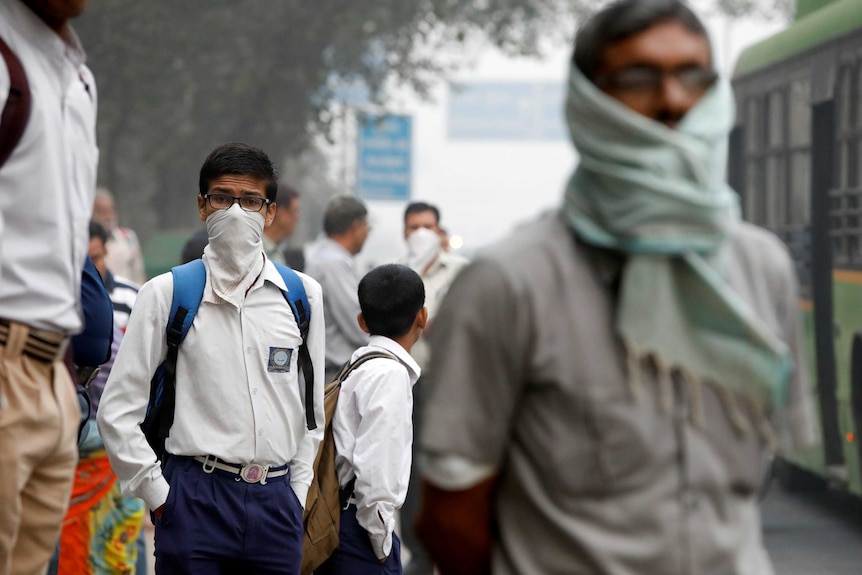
423,247
235,247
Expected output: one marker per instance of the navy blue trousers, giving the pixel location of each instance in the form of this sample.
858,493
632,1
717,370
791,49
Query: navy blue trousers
215,525
355,555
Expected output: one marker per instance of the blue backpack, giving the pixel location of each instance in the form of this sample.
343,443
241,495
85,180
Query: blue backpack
189,282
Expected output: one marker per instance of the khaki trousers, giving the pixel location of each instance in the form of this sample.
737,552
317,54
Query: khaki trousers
39,417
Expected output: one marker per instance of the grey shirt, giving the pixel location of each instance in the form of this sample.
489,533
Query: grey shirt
335,269
528,378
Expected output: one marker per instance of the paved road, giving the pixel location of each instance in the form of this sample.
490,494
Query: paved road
812,533
806,534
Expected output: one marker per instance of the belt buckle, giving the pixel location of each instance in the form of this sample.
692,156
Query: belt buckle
254,473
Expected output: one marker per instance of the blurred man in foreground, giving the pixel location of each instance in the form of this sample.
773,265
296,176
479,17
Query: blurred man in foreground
47,178
601,385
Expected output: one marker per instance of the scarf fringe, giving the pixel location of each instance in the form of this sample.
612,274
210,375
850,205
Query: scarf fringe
633,368
740,408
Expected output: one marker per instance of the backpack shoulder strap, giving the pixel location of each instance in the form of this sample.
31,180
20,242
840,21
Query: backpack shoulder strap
16,112
348,367
298,299
189,282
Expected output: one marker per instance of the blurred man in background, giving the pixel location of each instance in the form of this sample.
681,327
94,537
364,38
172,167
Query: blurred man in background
437,268
123,292
333,264
283,224
600,388
124,250
48,176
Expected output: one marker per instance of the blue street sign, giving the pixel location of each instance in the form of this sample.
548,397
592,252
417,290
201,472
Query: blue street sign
383,166
506,111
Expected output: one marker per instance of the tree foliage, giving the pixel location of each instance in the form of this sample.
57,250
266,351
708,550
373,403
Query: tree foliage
178,78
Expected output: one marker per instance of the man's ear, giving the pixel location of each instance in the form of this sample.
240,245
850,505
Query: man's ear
202,208
362,324
269,214
422,318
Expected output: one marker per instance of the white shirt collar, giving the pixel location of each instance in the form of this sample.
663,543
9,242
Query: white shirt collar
44,38
395,349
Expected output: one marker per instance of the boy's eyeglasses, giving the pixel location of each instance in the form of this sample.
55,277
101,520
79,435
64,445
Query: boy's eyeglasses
224,201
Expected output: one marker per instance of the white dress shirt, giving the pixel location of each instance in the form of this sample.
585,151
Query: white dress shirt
230,401
48,183
373,431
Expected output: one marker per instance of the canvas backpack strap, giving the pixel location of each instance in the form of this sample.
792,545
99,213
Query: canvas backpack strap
189,282
298,299
16,112
349,367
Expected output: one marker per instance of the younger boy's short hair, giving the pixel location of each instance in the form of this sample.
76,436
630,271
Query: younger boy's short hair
390,296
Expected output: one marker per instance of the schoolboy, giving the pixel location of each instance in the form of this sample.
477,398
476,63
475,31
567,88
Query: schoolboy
373,425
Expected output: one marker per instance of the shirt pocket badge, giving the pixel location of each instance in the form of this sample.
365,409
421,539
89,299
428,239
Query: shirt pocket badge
279,359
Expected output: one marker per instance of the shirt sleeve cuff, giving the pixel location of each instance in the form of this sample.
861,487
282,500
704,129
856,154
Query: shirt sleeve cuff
382,544
155,493
453,472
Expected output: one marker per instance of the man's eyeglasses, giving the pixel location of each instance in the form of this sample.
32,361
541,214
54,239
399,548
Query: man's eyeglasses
224,201
649,79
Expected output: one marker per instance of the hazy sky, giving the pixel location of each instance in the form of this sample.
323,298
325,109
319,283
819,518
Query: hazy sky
484,188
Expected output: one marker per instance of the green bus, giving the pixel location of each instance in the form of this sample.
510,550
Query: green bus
796,160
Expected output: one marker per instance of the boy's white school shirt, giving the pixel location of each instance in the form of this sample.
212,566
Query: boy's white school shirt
373,431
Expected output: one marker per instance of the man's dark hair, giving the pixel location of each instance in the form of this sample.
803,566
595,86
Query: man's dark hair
623,19
419,207
97,230
285,195
390,296
341,212
237,159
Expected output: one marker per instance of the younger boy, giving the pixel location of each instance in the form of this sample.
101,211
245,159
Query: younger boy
373,427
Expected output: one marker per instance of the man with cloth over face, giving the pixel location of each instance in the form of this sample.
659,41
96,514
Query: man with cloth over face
605,386
236,403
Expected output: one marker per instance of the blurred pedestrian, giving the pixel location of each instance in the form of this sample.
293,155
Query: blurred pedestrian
372,425
48,179
283,224
332,263
194,247
230,497
124,250
601,384
122,291
438,268
101,528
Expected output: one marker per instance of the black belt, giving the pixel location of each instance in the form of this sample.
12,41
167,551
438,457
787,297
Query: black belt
41,345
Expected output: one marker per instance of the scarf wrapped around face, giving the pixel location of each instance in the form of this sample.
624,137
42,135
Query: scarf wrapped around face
659,196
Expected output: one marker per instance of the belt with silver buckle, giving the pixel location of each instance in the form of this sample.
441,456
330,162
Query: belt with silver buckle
250,472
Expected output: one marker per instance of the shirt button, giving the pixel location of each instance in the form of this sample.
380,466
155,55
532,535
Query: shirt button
248,349
260,432
254,391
